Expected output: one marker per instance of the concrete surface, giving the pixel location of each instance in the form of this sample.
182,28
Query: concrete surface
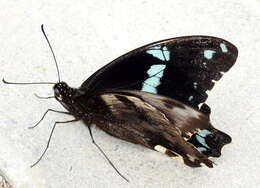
88,34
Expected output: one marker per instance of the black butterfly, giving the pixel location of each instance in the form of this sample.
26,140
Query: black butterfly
151,95
154,96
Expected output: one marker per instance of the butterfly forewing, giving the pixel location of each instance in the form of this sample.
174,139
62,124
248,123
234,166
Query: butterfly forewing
181,68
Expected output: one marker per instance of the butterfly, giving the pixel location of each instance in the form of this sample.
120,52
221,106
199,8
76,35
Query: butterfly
155,96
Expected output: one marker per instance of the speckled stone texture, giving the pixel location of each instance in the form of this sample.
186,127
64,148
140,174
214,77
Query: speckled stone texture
87,35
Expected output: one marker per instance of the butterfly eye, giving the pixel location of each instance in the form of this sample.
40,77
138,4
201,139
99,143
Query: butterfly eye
59,97
57,93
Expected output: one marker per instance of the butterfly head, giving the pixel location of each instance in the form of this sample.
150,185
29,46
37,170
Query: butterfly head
63,92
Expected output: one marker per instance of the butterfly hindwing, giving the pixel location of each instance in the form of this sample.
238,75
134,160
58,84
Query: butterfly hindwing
151,120
181,68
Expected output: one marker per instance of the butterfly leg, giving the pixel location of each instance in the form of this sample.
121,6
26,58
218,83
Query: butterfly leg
49,110
103,153
49,140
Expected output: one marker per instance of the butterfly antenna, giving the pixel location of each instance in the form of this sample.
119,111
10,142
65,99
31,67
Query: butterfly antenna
26,83
103,153
51,51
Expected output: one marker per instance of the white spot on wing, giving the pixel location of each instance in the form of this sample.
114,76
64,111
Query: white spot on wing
201,137
195,85
149,88
208,54
201,149
159,52
160,148
166,53
205,64
223,47
201,140
155,74
204,133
